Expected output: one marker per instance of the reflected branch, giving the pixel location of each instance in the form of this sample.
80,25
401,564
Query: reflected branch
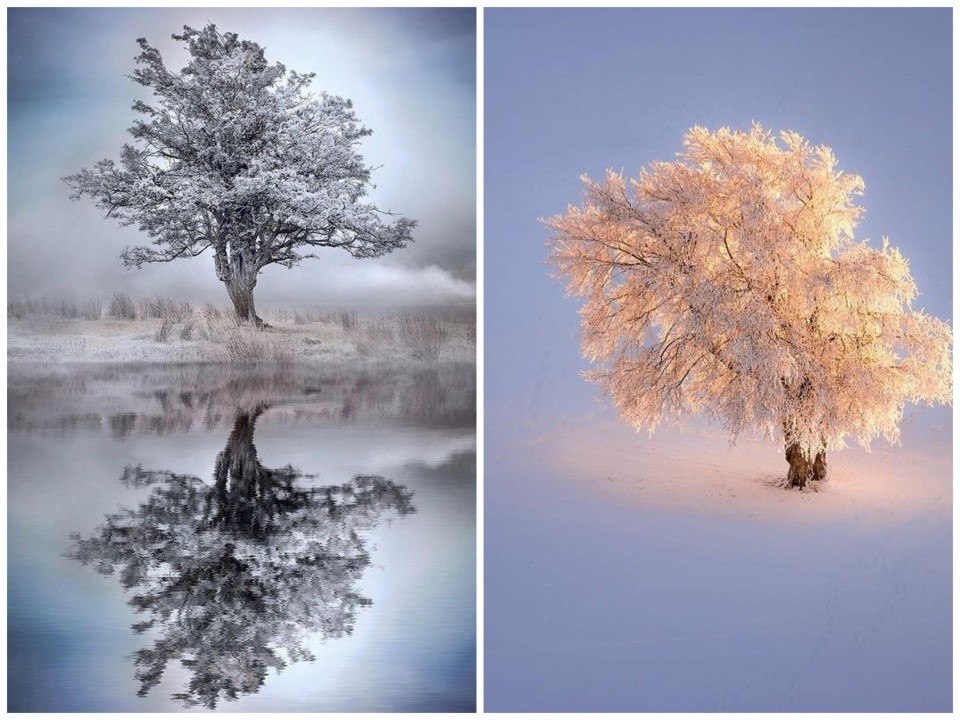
232,577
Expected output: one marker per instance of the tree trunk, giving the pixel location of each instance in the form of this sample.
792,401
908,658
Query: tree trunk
802,469
240,291
236,504
820,465
800,466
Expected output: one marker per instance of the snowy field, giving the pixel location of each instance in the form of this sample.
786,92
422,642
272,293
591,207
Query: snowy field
678,575
698,471
197,337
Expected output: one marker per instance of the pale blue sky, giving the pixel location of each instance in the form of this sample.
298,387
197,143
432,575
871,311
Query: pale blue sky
579,91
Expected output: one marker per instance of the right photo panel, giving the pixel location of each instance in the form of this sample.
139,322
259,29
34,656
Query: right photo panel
718,354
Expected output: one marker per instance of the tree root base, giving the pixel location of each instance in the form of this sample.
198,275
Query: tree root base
802,469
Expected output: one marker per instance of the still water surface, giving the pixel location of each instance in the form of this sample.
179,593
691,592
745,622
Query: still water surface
198,537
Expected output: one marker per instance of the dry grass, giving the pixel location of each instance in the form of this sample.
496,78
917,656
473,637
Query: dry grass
278,316
292,316
186,332
212,312
163,307
163,332
304,318
122,307
220,338
348,320
55,307
180,332
245,345
159,307
423,336
372,338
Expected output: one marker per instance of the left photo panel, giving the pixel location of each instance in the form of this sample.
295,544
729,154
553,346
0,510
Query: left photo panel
241,343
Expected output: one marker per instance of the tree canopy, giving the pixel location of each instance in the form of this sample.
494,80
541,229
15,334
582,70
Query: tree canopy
235,155
730,282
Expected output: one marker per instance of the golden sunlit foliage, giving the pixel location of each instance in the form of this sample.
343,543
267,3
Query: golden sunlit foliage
730,282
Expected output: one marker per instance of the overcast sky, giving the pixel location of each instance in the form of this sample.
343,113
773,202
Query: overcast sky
410,73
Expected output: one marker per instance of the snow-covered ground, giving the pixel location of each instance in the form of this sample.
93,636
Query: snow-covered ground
697,470
673,573
56,339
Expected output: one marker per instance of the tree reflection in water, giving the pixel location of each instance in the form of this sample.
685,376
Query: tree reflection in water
234,577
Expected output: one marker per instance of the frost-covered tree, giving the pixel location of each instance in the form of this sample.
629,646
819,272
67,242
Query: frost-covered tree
237,156
232,577
730,283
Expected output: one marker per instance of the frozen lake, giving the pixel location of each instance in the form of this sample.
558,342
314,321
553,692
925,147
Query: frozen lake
200,537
